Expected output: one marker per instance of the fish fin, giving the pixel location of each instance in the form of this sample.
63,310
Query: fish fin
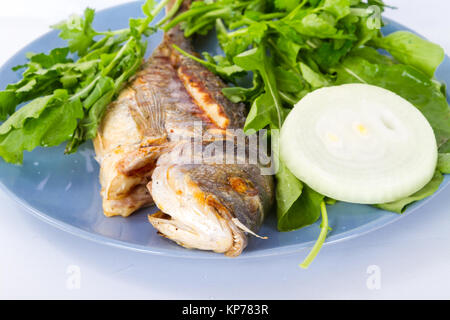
241,226
148,113
140,161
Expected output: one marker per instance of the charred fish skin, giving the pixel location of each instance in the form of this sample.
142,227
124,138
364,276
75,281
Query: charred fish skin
203,86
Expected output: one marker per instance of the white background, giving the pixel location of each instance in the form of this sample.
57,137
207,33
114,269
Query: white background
36,260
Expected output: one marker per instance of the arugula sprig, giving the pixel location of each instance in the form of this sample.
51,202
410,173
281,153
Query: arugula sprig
70,88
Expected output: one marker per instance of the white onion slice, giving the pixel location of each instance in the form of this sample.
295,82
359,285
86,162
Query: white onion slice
359,143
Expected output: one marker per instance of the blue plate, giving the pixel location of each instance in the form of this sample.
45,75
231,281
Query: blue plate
64,190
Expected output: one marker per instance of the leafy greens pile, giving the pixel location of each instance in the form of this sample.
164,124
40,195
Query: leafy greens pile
68,96
292,47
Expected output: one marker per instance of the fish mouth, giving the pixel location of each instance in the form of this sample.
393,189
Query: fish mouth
191,217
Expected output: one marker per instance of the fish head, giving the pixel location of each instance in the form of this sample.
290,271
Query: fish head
208,206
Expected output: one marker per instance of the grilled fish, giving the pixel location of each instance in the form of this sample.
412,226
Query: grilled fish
148,138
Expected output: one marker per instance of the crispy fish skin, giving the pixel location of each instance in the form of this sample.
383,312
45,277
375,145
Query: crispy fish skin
204,87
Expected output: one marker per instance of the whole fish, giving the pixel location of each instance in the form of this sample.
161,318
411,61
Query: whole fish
148,137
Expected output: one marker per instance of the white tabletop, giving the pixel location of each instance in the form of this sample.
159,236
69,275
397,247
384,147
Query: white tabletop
407,259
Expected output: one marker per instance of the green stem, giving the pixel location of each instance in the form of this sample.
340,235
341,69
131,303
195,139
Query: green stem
246,21
86,89
220,27
113,33
274,15
243,22
187,14
319,243
118,56
152,16
238,32
171,13
295,11
158,8
141,30
187,54
197,27
287,98
270,84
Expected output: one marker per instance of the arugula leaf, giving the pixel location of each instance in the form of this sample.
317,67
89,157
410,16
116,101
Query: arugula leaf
44,61
286,49
46,121
303,212
339,8
287,5
372,56
78,31
241,94
288,80
261,114
43,74
444,162
315,79
329,53
401,205
315,25
267,108
412,50
8,103
297,204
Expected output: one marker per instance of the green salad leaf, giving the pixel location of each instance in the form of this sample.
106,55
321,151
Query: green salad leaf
44,73
444,162
267,108
46,121
412,50
400,206
78,31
